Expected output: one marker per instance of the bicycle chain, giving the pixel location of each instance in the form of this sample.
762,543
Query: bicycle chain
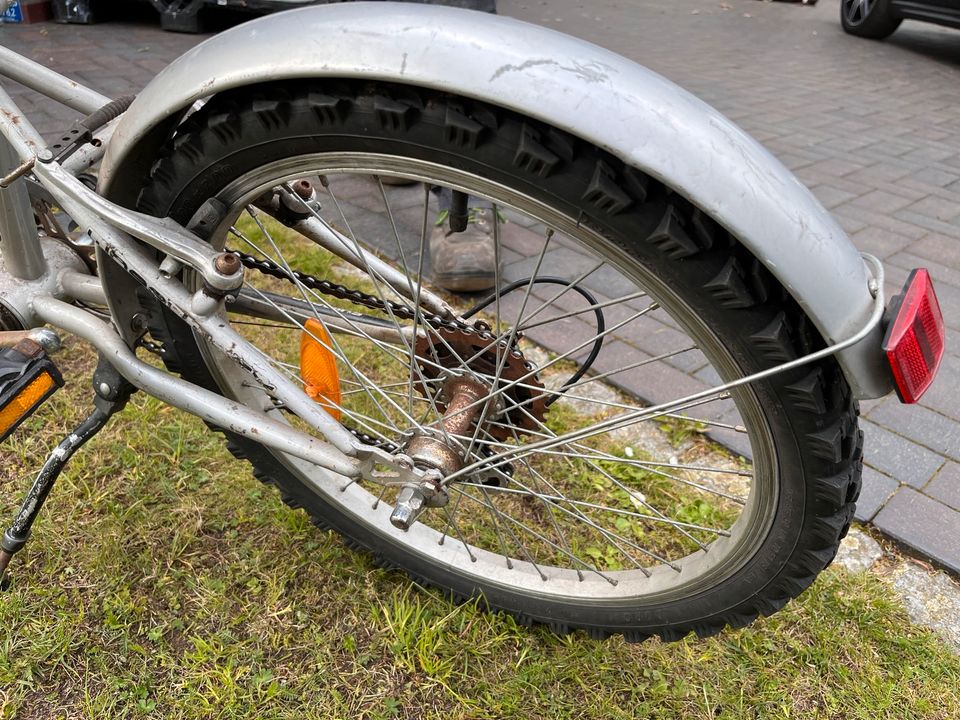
342,292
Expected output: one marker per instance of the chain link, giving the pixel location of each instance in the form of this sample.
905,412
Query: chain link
342,292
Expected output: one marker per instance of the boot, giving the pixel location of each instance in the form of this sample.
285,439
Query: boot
464,261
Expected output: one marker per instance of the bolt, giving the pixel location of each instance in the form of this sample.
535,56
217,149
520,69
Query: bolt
104,389
138,323
410,504
47,339
227,264
303,188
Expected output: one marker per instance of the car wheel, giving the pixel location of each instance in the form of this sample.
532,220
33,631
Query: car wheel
868,18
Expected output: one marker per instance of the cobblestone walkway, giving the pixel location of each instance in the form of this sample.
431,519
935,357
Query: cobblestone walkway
872,128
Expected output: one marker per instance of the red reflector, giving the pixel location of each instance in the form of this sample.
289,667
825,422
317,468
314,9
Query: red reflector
915,338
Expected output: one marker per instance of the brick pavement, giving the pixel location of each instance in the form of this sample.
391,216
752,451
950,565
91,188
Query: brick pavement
872,128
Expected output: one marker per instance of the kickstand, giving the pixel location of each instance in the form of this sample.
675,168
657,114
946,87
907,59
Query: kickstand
112,392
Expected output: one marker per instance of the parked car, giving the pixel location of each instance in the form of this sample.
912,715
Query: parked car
879,18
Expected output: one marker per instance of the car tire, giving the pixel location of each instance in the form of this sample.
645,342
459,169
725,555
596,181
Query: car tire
872,19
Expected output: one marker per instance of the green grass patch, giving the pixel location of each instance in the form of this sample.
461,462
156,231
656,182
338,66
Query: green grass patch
163,581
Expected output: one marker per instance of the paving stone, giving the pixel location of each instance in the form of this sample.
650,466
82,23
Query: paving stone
524,241
945,486
886,171
737,442
897,457
656,339
564,335
944,395
830,196
909,217
939,248
936,208
882,219
923,426
940,273
931,598
562,263
879,242
858,552
880,201
875,491
932,176
923,523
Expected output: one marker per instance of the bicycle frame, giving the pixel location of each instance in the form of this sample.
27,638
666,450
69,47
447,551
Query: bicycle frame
43,279
46,280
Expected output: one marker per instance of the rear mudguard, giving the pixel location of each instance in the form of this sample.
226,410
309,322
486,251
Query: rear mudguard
578,87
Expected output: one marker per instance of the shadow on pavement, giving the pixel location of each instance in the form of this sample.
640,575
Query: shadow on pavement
942,46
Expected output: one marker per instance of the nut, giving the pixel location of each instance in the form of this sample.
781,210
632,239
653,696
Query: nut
227,264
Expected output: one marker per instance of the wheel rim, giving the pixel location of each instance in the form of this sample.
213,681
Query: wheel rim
856,11
647,580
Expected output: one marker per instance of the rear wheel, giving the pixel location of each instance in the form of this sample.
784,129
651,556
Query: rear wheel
637,528
868,18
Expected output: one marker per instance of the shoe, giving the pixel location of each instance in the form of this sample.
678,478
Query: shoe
464,261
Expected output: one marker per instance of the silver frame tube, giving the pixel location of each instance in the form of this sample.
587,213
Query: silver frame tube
162,233
82,287
209,322
18,131
49,83
19,246
207,405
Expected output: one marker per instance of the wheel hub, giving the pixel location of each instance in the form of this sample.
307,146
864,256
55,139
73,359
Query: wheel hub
444,352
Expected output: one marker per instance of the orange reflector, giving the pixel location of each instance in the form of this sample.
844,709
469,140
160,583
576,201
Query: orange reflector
318,367
26,401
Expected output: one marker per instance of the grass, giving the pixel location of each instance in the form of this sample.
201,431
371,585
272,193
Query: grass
164,581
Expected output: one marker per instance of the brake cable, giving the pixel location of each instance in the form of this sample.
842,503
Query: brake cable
551,280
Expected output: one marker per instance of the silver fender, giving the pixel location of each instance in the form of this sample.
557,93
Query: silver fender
578,87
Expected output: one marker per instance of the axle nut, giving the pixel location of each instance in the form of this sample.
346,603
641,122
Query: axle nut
303,188
227,264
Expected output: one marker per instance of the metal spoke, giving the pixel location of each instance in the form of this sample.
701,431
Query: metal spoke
523,326
565,289
578,515
547,541
614,423
377,286
605,508
553,516
609,476
502,357
338,350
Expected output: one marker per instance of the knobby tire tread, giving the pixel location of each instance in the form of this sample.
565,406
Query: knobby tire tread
617,200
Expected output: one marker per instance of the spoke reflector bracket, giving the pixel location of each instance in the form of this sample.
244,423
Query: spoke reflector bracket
27,378
318,367
915,339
